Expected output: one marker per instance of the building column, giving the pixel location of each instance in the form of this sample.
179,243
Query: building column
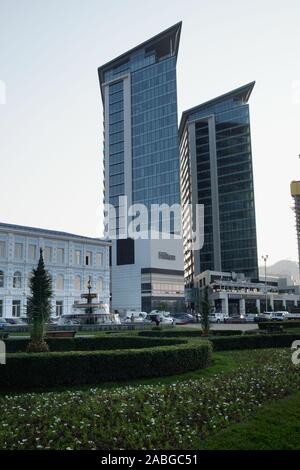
284,303
225,305
214,193
7,305
242,307
271,300
258,305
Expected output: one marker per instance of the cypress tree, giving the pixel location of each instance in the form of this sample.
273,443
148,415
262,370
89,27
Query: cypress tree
39,306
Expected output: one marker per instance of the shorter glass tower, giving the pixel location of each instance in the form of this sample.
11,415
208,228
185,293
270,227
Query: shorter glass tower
216,171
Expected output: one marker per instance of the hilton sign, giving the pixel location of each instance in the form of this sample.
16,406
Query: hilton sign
166,256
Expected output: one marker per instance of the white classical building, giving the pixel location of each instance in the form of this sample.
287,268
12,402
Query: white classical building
70,259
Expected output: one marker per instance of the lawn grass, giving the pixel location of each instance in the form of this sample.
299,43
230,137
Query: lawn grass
275,426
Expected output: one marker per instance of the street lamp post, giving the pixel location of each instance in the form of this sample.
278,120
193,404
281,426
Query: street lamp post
265,258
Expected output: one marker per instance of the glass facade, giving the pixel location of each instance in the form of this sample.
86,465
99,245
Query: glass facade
116,143
222,135
153,144
155,160
204,192
236,192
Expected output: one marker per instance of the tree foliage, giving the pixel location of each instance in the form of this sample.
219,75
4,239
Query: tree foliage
39,305
205,311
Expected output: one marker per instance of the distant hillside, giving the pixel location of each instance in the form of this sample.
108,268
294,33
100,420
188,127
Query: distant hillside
282,268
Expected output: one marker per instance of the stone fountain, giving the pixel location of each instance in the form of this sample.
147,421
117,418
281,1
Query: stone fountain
92,312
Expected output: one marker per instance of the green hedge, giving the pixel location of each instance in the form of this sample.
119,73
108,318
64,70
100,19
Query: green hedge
96,343
30,371
254,341
187,333
263,325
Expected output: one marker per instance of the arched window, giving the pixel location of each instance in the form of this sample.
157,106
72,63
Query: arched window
1,279
29,277
17,280
99,285
77,282
60,282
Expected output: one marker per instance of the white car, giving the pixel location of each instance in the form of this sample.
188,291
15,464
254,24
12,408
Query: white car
250,317
280,316
292,316
136,317
162,317
160,312
218,317
167,320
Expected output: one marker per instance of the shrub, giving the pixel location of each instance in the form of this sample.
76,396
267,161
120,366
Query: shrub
263,325
37,346
253,341
226,332
186,333
29,371
104,342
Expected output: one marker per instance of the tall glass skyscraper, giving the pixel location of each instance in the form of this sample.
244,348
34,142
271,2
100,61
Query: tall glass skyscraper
142,162
216,171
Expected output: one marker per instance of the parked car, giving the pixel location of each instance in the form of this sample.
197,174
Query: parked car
161,318
183,318
15,321
160,312
250,317
278,316
133,316
218,317
292,316
263,316
235,319
3,323
53,320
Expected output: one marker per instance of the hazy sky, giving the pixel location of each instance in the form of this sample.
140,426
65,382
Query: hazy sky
51,123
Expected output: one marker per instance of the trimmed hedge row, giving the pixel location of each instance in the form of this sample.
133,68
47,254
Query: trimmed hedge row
14,345
254,341
187,333
263,325
30,371
245,341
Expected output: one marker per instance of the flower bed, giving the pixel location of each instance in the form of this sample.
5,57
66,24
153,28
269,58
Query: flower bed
176,416
254,341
